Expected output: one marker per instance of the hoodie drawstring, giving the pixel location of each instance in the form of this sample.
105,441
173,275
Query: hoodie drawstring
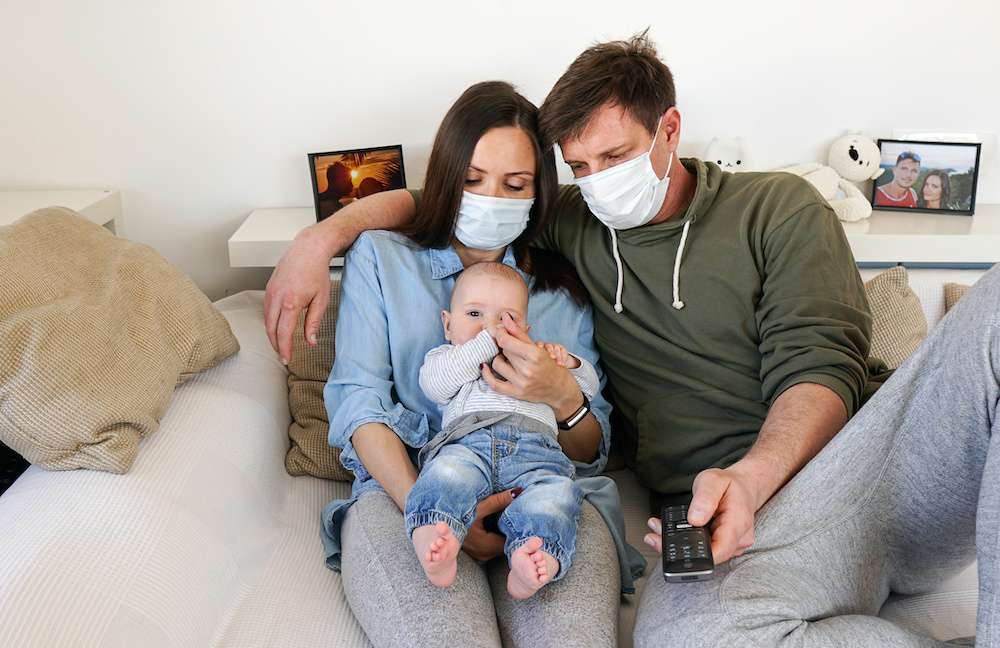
677,303
618,264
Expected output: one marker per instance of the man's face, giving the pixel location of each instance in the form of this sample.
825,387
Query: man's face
906,172
613,136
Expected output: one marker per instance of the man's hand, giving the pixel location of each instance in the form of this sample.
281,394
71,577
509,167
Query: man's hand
727,496
531,375
300,281
479,543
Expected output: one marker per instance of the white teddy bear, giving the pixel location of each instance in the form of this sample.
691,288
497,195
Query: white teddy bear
730,154
853,158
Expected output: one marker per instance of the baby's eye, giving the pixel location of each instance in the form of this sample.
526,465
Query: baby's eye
473,313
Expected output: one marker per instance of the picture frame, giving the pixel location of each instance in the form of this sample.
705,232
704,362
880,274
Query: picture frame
341,177
925,176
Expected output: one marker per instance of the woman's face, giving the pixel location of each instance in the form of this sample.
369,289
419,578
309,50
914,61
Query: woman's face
503,165
932,188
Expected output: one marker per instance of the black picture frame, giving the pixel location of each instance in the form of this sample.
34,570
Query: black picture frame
961,200
383,165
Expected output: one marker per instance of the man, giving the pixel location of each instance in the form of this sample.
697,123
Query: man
899,192
735,332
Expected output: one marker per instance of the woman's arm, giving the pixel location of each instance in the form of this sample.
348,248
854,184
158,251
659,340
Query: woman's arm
359,394
384,457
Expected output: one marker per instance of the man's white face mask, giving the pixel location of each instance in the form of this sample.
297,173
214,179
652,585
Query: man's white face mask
627,195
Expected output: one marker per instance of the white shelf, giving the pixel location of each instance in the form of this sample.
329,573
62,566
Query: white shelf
887,237
101,206
935,239
265,235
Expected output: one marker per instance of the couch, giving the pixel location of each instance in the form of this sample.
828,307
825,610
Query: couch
207,541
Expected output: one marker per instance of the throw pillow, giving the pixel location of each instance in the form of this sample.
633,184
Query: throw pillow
898,321
952,293
308,370
95,333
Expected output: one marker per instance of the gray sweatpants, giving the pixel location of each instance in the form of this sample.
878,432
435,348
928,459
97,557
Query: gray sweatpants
904,496
397,607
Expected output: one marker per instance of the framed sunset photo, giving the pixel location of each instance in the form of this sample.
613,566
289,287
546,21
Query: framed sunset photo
341,177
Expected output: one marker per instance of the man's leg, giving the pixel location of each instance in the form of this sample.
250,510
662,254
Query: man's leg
888,506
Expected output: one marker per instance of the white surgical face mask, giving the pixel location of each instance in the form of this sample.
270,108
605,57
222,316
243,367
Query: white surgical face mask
490,223
629,194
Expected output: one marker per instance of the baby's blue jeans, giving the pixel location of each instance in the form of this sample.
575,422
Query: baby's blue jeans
493,459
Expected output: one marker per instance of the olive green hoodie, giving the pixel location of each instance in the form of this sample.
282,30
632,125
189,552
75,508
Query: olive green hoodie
766,295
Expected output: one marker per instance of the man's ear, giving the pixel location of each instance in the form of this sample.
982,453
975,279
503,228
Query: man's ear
671,125
446,321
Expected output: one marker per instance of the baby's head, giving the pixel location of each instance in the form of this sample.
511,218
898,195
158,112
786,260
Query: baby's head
482,293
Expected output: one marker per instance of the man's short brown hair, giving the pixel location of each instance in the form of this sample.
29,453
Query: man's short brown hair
626,73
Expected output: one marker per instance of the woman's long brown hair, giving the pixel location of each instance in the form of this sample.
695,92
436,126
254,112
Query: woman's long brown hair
483,107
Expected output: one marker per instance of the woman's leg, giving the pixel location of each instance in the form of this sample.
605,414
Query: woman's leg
390,594
889,505
580,610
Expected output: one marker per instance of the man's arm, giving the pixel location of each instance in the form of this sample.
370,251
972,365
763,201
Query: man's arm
301,279
801,421
815,332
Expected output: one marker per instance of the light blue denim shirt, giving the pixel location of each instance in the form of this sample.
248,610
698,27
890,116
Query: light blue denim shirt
392,295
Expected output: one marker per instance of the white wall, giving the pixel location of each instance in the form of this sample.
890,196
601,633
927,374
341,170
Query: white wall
200,111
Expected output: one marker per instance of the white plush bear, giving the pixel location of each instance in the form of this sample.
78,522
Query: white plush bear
730,154
853,158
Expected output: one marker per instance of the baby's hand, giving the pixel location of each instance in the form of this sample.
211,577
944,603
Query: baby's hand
549,348
562,357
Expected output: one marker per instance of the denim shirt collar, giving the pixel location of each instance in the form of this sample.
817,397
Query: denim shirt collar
445,261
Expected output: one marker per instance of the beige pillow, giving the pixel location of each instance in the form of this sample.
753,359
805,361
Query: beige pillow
952,293
95,333
308,370
898,321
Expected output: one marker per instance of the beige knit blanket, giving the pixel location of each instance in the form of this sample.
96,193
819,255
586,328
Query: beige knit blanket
95,333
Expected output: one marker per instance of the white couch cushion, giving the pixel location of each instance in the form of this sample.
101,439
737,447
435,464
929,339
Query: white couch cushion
206,542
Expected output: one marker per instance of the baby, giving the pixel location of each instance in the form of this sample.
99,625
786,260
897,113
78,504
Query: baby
491,442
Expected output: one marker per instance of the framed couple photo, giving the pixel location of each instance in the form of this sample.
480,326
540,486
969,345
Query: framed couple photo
341,177
927,176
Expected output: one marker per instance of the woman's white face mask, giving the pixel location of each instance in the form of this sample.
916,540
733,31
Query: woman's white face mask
629,194
491,223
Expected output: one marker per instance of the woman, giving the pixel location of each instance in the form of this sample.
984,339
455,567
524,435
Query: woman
936,191
394,287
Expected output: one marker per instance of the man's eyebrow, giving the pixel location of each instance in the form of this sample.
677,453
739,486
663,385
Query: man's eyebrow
614,150
512,173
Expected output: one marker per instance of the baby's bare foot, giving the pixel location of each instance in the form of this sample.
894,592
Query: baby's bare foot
437,549
530,569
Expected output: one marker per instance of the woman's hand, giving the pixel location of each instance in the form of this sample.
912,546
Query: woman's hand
479,543
301,280
531,374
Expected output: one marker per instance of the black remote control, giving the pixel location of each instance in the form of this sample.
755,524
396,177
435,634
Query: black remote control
687,550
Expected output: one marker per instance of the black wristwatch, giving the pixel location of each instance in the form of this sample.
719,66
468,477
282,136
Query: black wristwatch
576,416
